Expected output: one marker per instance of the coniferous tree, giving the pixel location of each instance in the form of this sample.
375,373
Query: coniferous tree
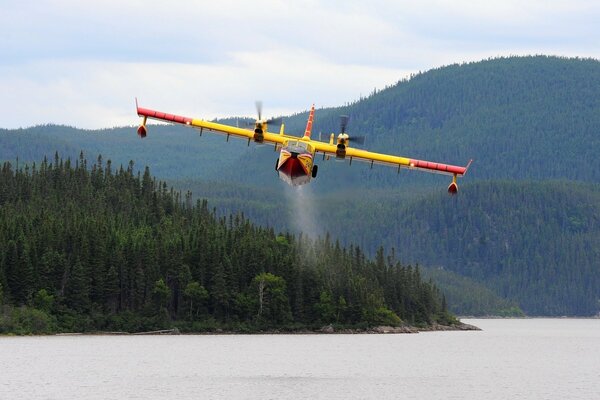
77,289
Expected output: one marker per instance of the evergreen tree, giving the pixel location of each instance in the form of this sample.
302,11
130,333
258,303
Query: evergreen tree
197,296
78,288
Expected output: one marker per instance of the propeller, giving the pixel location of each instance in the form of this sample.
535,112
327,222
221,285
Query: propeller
343,124
270,121
258,104
357,139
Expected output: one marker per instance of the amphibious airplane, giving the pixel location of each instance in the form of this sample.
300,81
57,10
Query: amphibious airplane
295,164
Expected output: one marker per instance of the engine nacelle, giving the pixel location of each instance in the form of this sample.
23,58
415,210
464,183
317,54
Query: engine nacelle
258,135
340,151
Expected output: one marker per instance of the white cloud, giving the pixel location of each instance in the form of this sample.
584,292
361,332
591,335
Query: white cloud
81,63
93,95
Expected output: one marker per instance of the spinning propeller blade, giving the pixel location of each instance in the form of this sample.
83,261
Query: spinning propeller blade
357,139
271,121
259,109
343,123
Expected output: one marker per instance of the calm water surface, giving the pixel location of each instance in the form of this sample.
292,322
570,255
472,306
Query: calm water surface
509,359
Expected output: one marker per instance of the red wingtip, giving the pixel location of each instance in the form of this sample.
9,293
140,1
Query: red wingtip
142,131
452,189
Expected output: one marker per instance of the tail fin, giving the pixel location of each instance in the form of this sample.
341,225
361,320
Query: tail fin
309,123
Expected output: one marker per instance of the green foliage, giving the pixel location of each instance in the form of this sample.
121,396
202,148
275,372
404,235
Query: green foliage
43,301
197,295
466,296
161,293
96,248
326,309
24,320
511,312
519,239
385,316
273,306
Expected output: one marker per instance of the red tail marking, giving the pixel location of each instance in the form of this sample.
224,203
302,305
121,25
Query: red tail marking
309,123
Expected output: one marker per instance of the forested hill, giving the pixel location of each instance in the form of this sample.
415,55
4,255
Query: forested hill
536,243
519,118
102,248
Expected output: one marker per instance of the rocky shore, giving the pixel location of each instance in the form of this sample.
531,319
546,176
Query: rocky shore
401,329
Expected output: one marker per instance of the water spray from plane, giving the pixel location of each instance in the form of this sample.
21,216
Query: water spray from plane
303,211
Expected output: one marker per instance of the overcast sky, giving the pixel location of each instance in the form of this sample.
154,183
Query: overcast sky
82,63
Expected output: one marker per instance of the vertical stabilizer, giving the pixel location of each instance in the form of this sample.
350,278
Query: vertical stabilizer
309,123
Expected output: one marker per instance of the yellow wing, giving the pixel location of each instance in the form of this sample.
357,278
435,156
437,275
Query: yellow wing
258,134
350,153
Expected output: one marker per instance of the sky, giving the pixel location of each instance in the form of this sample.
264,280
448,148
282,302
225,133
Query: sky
83,63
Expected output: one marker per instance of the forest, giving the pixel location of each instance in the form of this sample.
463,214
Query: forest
91,248
522,232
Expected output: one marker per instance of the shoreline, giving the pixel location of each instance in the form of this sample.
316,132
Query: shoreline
526,317
326,330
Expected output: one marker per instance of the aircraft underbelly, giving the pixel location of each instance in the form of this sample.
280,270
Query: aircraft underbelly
295,170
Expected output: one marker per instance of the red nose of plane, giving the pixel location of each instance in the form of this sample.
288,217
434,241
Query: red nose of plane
142,132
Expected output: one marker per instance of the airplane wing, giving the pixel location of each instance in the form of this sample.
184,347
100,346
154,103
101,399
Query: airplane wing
262,137
351,154
387,159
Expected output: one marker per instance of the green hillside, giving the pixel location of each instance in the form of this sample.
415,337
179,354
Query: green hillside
467,297
536,243
525,121
99,248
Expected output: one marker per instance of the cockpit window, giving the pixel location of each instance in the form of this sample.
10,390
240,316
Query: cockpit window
299,143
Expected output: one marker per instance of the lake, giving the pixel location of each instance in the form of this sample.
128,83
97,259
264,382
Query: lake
509,359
